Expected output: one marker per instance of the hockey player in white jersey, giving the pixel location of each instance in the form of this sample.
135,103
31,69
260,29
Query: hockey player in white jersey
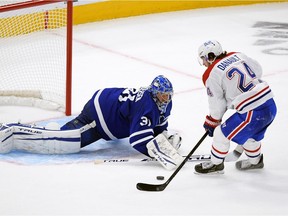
112,113
233,81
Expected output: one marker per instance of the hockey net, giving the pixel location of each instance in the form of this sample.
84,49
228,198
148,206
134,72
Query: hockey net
36,53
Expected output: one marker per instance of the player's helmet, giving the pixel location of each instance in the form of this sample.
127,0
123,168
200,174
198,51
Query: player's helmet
161,86
210,50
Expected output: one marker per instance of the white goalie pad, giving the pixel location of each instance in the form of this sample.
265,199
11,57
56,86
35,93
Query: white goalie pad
41,141
161,149
6,138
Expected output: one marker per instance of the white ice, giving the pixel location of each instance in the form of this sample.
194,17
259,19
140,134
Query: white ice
130,52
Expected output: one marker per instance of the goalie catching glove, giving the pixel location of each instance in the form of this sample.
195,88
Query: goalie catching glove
165,153
174,139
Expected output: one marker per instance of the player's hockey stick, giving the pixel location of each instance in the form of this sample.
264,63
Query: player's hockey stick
161,187
193,158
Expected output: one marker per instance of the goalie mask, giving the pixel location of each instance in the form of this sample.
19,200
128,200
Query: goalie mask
161,90
209,51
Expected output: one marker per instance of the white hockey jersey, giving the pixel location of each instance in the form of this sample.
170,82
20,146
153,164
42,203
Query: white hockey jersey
234,82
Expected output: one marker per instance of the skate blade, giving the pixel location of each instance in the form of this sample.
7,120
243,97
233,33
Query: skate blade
210,173
249,169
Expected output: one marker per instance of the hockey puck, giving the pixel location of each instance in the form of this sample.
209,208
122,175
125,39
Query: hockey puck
160,177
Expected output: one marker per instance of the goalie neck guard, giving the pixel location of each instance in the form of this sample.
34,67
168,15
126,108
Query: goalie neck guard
161,90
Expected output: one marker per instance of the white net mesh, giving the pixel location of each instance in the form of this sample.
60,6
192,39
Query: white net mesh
33,53
8,2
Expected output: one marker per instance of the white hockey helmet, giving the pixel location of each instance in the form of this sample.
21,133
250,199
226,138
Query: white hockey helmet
211,46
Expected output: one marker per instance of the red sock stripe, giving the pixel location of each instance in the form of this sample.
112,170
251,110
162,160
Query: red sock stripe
241,126
252,151
219,152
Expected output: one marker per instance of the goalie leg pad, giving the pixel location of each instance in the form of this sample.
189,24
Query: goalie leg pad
161,149
6,138
43,141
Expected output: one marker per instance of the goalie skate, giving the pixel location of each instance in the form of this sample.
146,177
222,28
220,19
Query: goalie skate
209,168
246,165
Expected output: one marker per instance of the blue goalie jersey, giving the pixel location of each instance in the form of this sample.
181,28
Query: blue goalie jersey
126,112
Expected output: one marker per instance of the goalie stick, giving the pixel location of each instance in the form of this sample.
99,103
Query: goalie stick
161,187
231,157
193,158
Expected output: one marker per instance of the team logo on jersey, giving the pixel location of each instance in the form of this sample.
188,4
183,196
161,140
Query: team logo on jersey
209,92
140,93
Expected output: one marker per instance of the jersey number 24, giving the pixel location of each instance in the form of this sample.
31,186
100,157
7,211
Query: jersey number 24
243,85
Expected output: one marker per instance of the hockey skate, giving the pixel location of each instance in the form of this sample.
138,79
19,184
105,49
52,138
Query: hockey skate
246,164
209,168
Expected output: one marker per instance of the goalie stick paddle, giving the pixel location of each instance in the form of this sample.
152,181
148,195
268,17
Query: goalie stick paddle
161,187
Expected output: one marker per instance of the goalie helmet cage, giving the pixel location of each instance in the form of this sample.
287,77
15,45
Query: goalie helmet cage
36,53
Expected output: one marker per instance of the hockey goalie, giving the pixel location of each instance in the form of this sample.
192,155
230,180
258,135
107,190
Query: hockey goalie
112,113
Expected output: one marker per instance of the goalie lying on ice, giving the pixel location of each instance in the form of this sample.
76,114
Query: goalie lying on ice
112,113
45,141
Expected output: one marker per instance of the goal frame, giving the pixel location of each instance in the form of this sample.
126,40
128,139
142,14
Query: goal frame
33,3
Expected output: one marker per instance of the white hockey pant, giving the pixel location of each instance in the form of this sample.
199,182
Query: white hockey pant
39,140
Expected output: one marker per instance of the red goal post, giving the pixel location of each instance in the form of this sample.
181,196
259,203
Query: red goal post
36,53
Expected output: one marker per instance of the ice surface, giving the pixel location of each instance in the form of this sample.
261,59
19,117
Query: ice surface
130,52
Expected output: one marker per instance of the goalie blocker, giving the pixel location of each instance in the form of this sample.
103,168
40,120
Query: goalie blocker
38,140
161,149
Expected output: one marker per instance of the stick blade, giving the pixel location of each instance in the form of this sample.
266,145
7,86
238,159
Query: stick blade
150,187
